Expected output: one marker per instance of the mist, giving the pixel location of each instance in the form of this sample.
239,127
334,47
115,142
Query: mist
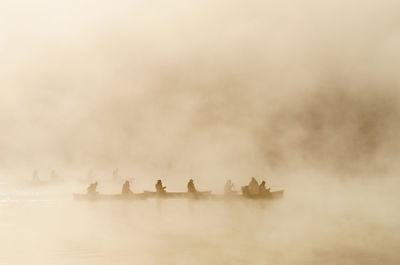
304,94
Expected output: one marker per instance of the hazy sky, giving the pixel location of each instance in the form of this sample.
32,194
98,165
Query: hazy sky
226,87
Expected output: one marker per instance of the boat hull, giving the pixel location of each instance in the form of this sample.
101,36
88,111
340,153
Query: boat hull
177,195
266,196
108,197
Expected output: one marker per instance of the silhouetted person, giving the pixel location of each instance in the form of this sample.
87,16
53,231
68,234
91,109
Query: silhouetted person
53,176
126,188
35,176
159,187
91,190
262,189
228,189
245,190
253,187
191,187
115,175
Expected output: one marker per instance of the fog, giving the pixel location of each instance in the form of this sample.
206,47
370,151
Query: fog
303,94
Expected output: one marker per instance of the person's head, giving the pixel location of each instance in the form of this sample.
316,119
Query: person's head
263,182
253,179
190,180
159,181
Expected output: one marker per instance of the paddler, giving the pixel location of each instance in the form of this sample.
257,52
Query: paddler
126,189
53,176
191,187
228,189
262,189
115,175
91,190
253,187
160,189
35,176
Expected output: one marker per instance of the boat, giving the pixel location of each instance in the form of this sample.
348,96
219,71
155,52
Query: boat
43,183
187,195
108,197
266,196
183,195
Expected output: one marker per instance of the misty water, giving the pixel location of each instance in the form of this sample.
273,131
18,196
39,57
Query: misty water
320,225
208,90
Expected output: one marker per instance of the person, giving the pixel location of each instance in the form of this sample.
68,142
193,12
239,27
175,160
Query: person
35,176
191,187
245,190
115,175
126,188
91,190
53,176
262,189
159,187
228,189
253,187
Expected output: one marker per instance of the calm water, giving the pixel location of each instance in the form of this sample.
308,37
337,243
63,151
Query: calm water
45,226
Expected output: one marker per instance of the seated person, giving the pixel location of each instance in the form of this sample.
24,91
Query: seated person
159,187
91,190
53,176
191,187
126,189
262,189
228,189
115,175
253,187
35,176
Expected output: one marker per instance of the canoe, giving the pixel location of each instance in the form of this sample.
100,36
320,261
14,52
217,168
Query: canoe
269,196
108,197
43,183
266,196
187,195
184,195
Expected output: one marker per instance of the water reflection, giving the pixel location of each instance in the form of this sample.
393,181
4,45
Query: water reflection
43,227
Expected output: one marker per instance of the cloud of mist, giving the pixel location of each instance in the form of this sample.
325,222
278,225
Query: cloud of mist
200,88
288,91
345,131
